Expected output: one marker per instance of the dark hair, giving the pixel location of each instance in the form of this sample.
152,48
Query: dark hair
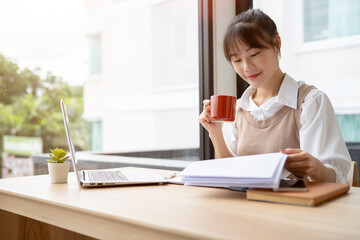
252,28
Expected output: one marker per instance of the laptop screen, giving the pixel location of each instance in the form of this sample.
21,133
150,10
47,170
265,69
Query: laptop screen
68,136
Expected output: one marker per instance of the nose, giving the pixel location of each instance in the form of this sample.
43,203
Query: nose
248,66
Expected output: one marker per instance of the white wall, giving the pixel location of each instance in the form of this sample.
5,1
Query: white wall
333,69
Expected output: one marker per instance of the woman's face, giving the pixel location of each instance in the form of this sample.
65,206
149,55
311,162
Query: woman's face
256,66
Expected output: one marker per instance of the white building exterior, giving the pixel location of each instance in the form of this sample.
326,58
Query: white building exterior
331,65
143,92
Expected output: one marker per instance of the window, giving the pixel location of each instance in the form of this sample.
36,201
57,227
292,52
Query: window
321,46
128,71
35,74
94,55
96,135
148,96
331,19
325,19
350,127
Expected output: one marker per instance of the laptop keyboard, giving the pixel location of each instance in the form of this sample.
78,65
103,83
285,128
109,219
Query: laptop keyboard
107,176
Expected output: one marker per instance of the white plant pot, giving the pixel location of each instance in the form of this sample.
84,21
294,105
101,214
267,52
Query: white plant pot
58,172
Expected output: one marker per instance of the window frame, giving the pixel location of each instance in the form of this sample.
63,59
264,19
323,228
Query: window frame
241,6
206,62
206,70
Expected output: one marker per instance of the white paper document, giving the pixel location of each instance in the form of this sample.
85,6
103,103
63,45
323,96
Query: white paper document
260,171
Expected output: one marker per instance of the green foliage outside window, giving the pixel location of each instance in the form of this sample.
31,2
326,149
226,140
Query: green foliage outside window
29,106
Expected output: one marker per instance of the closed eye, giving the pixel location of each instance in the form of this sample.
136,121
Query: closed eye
255,54
238,60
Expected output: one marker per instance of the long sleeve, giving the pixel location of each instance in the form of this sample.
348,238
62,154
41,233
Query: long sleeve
320,134
230,137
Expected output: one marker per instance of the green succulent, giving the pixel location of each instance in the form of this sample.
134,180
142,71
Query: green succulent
58,155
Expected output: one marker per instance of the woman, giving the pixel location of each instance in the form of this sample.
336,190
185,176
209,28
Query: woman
276,113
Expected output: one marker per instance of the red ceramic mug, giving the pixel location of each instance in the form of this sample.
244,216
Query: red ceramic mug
222,108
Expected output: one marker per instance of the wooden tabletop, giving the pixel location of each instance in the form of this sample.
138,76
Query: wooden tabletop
175,212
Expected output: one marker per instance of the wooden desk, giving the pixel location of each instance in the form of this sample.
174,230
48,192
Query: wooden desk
32,208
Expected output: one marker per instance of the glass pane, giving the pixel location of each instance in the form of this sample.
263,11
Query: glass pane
316,20
350,126
127,71
94,55
147,95
96,136
41,61
324,19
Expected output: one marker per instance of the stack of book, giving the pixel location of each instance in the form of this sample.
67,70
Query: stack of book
316,194
254,171
259,174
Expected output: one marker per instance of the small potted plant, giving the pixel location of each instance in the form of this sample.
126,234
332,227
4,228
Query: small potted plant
58,166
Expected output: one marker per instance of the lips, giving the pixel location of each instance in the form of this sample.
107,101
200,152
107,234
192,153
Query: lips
252,77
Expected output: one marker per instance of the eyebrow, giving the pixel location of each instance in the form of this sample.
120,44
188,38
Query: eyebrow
235,54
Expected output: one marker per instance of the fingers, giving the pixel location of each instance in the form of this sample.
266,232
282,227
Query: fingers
301,164
295,154
296,157
298,164
207,105
298,169
206,102
290,150
204,117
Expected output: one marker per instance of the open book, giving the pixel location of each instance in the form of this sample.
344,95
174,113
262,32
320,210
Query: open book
254,171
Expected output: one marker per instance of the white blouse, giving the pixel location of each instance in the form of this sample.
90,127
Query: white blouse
320,134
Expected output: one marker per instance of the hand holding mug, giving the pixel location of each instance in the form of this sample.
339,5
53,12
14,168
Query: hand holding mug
205,120
220,108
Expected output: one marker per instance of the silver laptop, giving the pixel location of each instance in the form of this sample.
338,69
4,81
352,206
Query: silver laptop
96,178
